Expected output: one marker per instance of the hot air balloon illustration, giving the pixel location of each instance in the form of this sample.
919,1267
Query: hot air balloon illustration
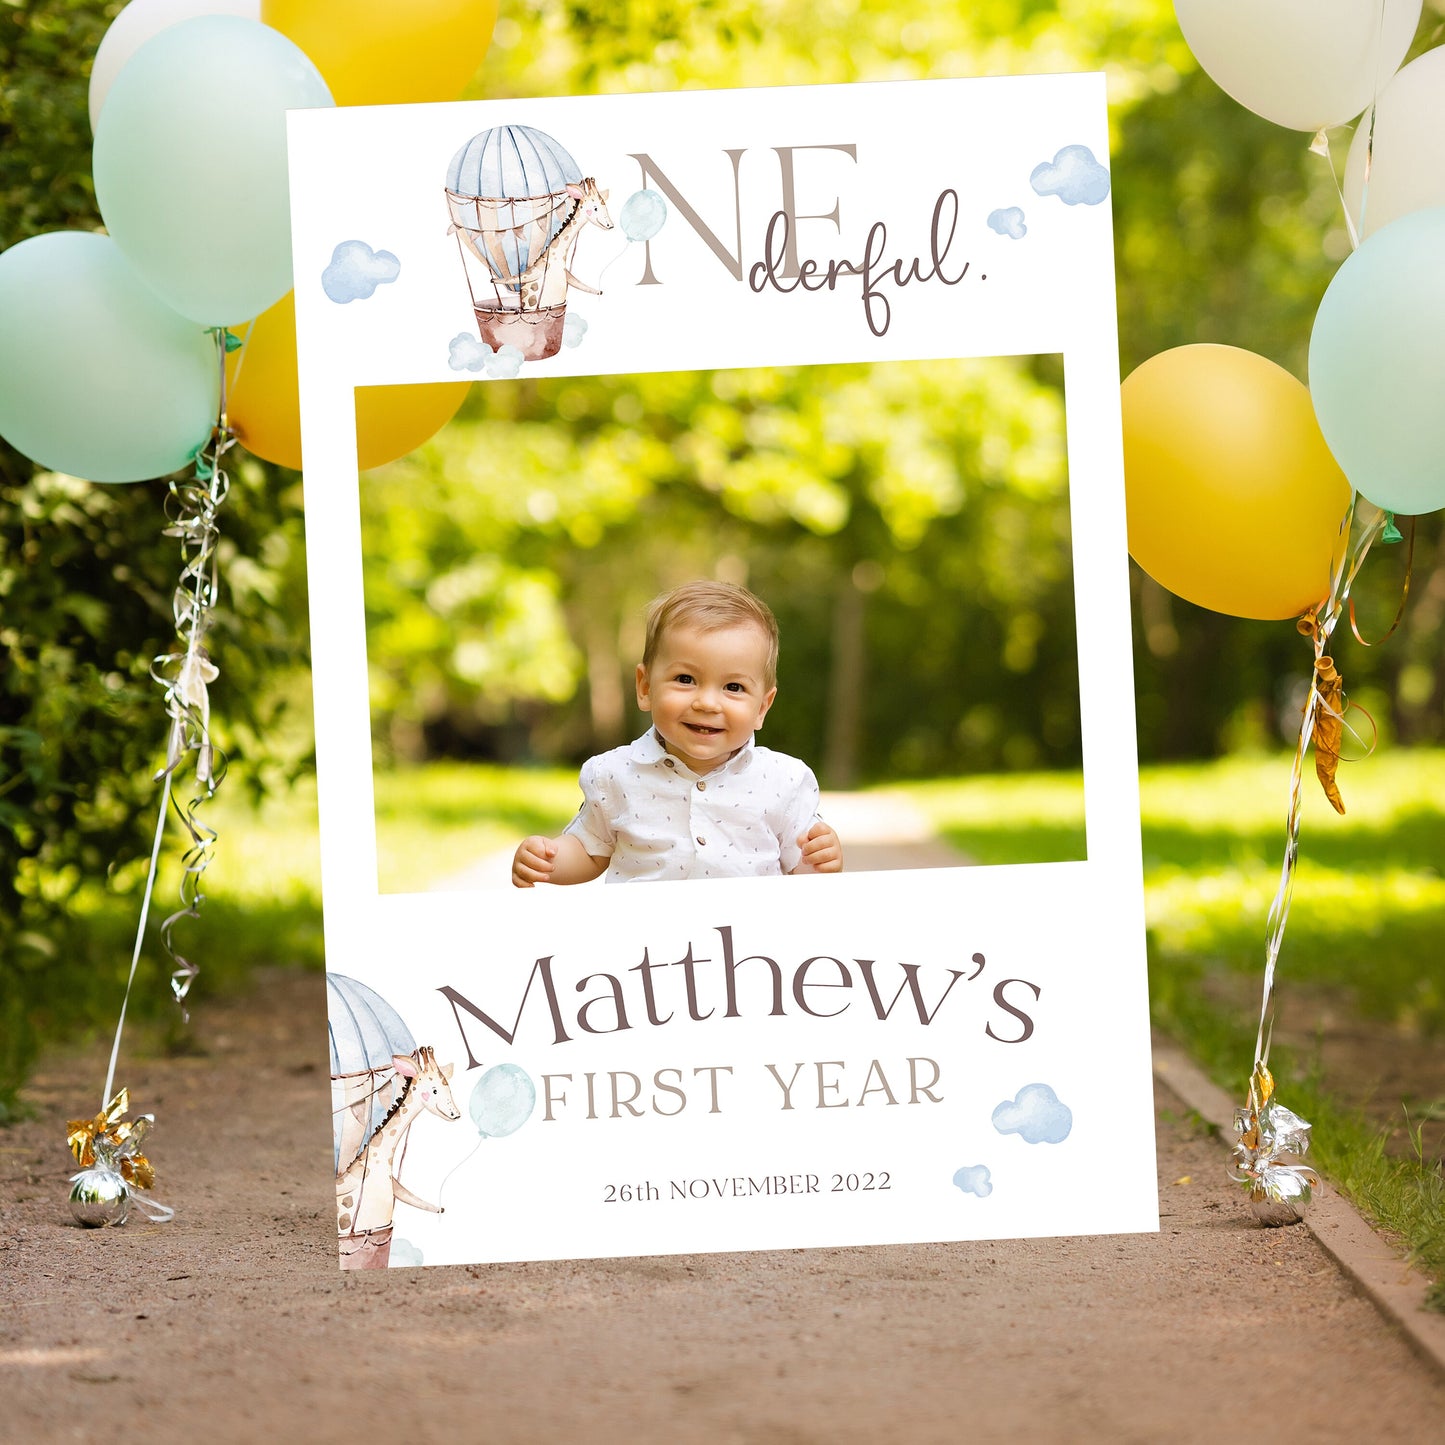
381,1083
366,1036
518,203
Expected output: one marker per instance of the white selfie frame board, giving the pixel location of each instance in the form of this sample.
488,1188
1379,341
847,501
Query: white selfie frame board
716,1067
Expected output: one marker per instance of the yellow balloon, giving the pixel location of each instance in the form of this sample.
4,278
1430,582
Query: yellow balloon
264,411
1234,500
387,52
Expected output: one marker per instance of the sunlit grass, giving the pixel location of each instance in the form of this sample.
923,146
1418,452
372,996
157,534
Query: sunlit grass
1367,918
435,821
431,821
261,907
270,852
1368,909
1015,818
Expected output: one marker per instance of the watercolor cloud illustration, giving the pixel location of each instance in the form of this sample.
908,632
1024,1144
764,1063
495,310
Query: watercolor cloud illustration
1074,176
466,353
973,1179
356,271
1008,222
405,1253
1036,1115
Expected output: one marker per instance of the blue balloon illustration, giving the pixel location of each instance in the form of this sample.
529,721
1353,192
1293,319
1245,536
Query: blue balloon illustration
642,215
502,1101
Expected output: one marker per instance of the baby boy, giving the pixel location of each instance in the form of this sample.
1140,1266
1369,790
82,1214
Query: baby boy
694,797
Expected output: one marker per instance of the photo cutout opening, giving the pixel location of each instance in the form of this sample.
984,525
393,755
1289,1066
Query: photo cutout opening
907,524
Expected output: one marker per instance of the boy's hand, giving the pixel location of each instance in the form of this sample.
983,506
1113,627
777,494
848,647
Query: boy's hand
822,852
533,861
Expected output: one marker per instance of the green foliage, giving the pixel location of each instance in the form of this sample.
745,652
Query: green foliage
554,47
1364,932
46,49
85,605
1227,229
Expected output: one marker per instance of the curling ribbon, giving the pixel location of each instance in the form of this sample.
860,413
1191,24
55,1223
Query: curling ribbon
191,510
1265,1129
1391,534
106,1143
1320,146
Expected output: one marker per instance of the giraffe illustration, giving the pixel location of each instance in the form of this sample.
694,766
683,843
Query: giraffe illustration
367,1189
591,206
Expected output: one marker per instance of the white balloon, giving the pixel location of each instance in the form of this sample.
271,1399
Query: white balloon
142,19
1407,164
1300,63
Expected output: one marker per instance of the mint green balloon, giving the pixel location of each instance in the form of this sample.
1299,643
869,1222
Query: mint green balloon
1377,365
98,378
190,163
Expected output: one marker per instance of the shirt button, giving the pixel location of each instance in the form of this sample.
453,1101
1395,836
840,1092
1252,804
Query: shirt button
701,786
668,763
702,842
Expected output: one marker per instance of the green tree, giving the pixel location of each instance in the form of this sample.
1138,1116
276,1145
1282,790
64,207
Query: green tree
908,522
86,579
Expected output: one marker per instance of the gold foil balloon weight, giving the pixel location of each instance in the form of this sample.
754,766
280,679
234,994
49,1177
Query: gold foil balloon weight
114,1173
1272,1140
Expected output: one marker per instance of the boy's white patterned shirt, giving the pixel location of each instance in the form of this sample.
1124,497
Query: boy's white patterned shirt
657,819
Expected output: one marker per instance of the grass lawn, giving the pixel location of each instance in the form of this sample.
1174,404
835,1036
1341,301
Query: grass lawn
1363,946
1361,981
434,821
1363,943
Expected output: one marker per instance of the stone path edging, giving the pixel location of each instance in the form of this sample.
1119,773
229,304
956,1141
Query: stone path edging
1394,1286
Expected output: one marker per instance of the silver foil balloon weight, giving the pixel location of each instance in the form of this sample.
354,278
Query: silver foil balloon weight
1271,1141
1282,1193
99,1198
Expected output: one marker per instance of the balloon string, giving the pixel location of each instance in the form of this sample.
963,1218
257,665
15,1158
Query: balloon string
441,1188
1363,525
105,1094
626,246
192,509
1320,145
190,513
1374,742
1404,596
153,1209
1370,117
240,362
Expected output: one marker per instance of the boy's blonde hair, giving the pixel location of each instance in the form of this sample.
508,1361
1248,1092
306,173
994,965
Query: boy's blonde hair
710,607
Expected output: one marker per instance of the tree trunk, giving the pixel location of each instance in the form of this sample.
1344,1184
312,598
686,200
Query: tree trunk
604,682
843,737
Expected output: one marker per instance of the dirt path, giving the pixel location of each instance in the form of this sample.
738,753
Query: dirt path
232,1323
